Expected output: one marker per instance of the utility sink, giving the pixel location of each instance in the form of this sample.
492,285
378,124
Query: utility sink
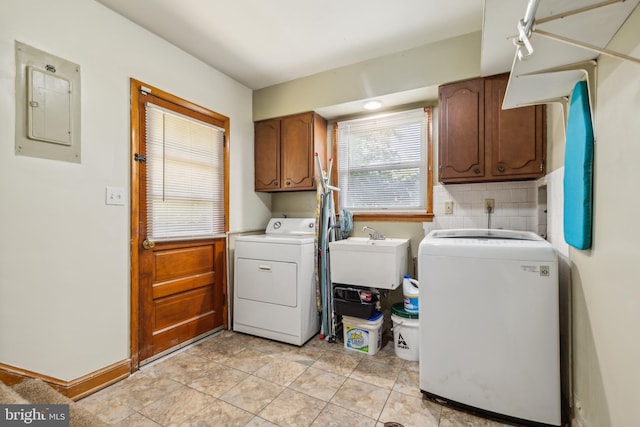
361,261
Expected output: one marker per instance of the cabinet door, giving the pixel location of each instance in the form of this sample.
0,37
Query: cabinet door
461,132
267,155
516,136
297,152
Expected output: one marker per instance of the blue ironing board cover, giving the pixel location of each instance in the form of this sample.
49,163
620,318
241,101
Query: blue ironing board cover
578,170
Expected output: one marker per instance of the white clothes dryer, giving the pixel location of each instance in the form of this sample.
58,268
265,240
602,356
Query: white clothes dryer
275,293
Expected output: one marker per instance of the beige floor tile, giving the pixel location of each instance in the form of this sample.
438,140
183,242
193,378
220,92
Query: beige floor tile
371,371
336,416
252,394
410,411
337,363
281,371
413,366
317,383
177,407
136,420
338,347
270,347
247,360
321,345
113,414
365,399
227,343
408,382
110,404
218,380
387,355
183,367
305,355
219,414
260,422
292,409
237,379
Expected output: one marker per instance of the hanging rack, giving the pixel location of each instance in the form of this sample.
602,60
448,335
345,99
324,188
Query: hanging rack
526,27
549,74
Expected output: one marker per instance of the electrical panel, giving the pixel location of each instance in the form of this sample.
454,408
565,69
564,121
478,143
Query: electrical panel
47,105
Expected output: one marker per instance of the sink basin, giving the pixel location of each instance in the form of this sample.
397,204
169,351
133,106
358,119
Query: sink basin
361,261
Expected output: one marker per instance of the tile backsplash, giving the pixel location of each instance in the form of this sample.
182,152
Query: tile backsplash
553,183
516,206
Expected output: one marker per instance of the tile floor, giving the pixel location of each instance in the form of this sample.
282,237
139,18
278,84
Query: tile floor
233,379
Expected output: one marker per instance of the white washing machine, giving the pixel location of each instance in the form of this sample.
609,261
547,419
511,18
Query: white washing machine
489,328
275,293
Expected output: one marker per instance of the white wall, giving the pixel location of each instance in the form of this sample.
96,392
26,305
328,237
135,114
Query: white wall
429,65
606,279
64,254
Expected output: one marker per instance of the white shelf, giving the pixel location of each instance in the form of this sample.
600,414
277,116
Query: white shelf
550,73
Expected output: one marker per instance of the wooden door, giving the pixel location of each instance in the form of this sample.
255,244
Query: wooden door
178,286
267,155
516,136
461,132
297,152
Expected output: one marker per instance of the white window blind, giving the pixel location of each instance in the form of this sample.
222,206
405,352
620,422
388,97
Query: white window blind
185,176
382,163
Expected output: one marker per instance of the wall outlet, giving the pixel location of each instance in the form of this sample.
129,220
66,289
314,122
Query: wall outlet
489,205
448,206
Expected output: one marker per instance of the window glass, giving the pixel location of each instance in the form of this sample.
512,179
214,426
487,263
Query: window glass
185,176
383,163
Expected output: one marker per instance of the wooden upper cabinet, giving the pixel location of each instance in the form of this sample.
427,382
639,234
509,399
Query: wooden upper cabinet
461,131
480,142
517,135
285,150
267,154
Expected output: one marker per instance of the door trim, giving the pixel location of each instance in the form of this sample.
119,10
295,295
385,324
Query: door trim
224,122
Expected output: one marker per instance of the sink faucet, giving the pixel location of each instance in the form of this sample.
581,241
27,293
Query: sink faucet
375,234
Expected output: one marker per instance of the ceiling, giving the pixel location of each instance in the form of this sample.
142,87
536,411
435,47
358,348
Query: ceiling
262,43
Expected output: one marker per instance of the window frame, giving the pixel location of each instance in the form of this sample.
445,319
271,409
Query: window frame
426,216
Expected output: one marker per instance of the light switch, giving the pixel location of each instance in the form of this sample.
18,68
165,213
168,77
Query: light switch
114,196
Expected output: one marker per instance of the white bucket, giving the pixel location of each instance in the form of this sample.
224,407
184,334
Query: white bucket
362,335
406,333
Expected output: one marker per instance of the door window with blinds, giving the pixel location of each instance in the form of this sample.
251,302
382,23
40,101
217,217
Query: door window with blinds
383,163
185,176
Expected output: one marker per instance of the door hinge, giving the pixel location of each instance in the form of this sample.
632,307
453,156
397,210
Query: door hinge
140,158
541,165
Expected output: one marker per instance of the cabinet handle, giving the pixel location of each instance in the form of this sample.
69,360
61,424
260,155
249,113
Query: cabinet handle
288,183
500,168
275,184
476,170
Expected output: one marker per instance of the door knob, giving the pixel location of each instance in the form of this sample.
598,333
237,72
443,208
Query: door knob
148,244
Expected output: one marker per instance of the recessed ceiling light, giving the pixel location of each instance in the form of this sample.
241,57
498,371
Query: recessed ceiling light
374,104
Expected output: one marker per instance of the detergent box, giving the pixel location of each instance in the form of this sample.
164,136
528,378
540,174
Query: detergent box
363,335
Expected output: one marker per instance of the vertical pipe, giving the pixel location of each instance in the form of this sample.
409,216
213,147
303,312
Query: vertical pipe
529,16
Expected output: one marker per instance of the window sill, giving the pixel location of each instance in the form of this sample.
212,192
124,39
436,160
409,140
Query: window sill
396,217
